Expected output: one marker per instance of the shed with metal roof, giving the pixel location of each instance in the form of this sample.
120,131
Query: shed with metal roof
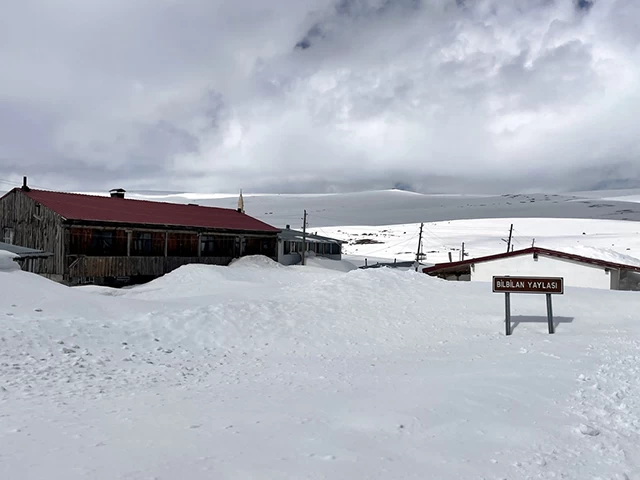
113,239
577,270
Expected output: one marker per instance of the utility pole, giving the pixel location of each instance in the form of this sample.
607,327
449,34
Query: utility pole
510,238
533,243
304,237
462,252
419,247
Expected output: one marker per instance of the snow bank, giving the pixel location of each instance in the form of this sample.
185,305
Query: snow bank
327,263
284,371
7,262
255,261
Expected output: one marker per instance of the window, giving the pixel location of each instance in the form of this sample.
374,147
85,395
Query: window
207,245
142,243
150,244
260,246
97,242
182,245
102,242
292,247
7,235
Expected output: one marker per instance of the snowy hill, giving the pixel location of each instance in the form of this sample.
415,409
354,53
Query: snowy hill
392,207
610,240
261,371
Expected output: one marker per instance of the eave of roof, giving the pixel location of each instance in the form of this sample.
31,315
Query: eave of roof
23,252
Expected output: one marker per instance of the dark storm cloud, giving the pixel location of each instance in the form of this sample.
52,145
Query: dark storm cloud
300,95
584,4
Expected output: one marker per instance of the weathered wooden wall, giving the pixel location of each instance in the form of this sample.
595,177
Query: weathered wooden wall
134,266
34,226
33,264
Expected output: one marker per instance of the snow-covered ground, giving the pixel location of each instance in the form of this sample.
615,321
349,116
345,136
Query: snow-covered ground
259,371
616,241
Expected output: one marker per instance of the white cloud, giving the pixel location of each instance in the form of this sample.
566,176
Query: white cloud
215,95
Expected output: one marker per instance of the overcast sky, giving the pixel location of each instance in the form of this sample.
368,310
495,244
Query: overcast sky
320,95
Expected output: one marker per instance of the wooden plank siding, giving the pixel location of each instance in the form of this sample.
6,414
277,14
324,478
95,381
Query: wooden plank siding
36,227
99,267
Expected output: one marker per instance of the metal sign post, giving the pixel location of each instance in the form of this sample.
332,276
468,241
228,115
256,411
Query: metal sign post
507,322
541,285
550,314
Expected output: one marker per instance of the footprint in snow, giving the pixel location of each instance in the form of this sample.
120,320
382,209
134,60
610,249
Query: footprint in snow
589,430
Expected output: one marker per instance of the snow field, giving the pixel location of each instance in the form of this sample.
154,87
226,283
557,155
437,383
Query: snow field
263,371
612,240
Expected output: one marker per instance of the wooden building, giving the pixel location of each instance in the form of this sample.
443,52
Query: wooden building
290,246
115,240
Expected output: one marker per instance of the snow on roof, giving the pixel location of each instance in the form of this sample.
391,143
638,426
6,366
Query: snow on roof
23,251
607,259
296,235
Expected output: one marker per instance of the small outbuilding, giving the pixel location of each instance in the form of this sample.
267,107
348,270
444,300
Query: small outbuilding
577,270
290,246
29,259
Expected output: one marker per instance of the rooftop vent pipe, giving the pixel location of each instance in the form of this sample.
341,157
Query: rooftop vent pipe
117,193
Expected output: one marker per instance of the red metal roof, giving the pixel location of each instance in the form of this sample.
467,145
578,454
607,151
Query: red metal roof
73,206
531,250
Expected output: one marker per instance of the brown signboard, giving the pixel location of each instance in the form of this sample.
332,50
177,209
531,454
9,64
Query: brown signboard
548,285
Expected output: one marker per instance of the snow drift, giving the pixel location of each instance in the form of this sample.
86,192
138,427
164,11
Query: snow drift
7,261
262,371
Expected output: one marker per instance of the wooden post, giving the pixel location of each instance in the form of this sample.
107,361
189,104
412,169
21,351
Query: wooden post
550,314
199,245
510,237
166,244
507,319
129,243
304,237
419,246
450,258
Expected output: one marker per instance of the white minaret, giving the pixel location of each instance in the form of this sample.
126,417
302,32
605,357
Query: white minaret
241,203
